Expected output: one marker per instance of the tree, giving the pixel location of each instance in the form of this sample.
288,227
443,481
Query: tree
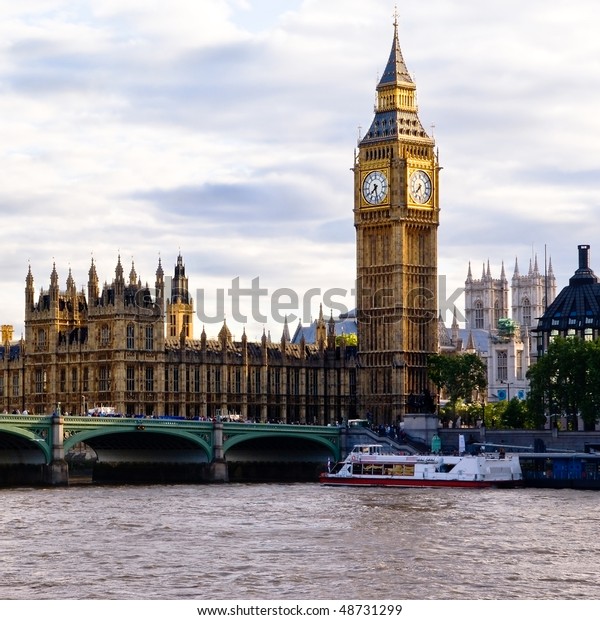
458,375
514,414
565,381
350,340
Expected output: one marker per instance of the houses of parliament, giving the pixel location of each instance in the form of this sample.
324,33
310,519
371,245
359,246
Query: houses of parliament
132,348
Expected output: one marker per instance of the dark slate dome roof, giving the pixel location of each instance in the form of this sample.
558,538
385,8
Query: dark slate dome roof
577,306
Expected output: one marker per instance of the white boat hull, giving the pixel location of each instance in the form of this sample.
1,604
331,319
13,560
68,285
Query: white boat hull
369,465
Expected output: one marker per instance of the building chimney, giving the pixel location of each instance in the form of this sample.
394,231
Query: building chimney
584,256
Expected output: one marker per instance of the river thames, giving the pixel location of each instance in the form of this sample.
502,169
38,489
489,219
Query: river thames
298,541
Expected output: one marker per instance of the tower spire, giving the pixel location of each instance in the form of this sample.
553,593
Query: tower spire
396,109
395,71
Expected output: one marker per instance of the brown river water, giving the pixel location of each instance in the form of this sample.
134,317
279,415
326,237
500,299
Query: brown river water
297,541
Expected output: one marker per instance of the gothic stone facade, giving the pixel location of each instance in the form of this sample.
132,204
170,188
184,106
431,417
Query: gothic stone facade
130,347
396,216
510,347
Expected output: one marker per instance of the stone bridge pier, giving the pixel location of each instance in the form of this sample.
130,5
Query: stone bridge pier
57,471
218,468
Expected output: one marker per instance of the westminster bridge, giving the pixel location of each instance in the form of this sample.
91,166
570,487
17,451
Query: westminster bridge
43,450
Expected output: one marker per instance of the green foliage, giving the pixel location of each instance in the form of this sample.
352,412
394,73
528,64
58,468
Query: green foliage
351,340
460,376
514,414
507,326
494,413
566,381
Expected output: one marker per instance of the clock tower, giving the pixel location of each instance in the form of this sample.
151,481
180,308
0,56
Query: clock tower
396,216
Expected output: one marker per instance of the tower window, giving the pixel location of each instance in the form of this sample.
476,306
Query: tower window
478,315
497,316
130,336
15,384
149,337
130,378
104,336
104,379
526,311
502,359
149,379
39,381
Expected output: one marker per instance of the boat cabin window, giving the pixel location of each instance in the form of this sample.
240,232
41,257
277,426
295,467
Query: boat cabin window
374,449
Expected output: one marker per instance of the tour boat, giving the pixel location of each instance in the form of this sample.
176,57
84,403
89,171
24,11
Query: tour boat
371,465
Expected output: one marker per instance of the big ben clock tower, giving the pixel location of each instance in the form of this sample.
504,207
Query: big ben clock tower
396,216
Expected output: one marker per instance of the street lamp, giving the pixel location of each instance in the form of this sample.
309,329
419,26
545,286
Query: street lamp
507,384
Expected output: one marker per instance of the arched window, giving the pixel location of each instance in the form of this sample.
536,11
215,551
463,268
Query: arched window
502,359
478,314
526,311
104,335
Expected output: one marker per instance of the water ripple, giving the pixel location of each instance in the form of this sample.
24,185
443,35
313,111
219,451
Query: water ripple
297,541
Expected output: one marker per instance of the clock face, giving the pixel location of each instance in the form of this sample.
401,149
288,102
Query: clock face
419,186
375,187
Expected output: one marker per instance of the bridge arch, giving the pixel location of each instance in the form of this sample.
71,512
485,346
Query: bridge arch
236,440
142,437
18,443
280,444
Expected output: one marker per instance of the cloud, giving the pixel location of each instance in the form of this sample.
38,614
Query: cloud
226,129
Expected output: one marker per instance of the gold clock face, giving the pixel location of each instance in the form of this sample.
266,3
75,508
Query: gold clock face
375,187
419,186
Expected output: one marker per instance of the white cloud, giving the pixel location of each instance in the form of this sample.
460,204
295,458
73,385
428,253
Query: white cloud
225,129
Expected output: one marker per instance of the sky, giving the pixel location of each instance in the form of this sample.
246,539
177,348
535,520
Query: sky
225,130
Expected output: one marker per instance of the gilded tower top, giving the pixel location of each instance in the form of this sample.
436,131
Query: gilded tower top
396,110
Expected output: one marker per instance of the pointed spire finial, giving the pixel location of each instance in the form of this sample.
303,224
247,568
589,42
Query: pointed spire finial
395,70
